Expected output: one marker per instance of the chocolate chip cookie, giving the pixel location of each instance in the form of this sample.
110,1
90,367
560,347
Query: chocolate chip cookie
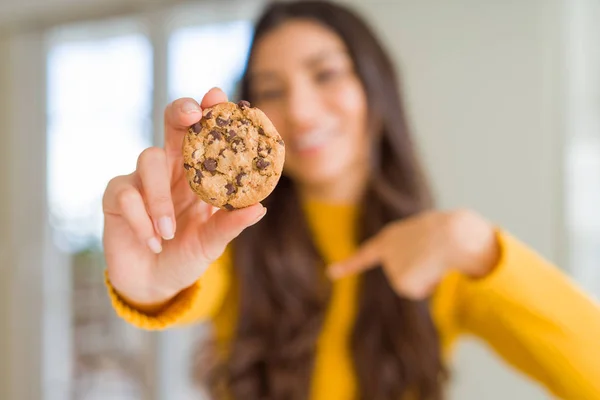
233,156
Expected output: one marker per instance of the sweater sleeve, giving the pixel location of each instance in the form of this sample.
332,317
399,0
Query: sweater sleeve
537,320
200,301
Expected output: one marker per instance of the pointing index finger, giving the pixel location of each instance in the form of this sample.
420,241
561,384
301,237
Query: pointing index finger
368,256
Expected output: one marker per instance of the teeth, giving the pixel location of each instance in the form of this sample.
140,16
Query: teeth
311,140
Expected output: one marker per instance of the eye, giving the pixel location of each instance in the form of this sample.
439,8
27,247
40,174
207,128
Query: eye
327,75
269,94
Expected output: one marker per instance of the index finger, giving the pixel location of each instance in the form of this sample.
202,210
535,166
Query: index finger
368,256
183,113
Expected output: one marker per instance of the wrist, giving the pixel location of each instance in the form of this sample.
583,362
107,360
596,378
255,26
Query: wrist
146,306
146,301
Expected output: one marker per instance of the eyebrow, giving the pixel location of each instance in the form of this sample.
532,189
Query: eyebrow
311,62
324,55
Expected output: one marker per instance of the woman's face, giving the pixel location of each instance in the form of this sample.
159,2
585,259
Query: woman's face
304,80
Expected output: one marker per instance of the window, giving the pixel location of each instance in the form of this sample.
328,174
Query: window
192,73
98,112
583,218
99,98
582,145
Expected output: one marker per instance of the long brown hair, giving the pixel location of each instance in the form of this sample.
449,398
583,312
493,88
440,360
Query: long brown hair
282,290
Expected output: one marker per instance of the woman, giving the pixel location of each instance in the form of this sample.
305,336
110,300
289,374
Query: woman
300,309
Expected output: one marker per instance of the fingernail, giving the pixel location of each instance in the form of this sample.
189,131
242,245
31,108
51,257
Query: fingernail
261,215
190,107
154,245
165,227
334,271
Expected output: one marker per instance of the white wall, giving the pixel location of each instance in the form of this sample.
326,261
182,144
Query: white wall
29,14
484,82
5,270
24,246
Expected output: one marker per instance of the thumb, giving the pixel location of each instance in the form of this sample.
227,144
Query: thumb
224,226
368,256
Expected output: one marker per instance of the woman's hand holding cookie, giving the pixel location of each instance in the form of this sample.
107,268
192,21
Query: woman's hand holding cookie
159,236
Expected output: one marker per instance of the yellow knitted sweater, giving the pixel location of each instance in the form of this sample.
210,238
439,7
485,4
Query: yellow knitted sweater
526,310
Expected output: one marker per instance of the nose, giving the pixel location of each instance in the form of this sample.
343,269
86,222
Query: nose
304,107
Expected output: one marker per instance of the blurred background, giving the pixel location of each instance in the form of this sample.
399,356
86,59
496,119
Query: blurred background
504,97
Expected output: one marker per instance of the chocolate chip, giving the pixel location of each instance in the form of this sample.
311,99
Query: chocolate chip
208,114
215,134
230,189
238,178
187,166
213,198
229,207
244,104
237,144
231,134
281,142
198,176
222,122
261,131
264,151
197,127
261,163
210,164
